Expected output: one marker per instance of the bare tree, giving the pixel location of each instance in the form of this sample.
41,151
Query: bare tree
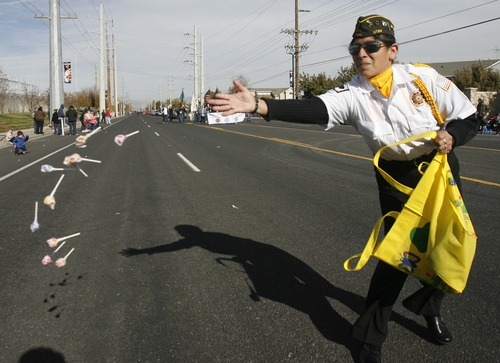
243,80
31,95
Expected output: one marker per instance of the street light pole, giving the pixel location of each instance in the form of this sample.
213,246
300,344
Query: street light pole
296,52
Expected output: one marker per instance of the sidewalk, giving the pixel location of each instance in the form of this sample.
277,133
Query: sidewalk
31,133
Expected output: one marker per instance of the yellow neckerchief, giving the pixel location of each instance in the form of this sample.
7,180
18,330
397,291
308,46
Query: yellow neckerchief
383,82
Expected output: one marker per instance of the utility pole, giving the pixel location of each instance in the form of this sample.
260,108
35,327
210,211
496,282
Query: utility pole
296,49
108,71
196,93
296,87
102,99
115,80
202,69
55,54
195,65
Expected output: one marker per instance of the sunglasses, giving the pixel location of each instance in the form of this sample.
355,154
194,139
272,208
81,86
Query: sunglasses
369,47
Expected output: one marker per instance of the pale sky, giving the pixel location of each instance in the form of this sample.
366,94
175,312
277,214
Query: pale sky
240,37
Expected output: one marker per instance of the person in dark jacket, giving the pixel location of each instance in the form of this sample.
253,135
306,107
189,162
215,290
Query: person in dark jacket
72,116
39,117
57,122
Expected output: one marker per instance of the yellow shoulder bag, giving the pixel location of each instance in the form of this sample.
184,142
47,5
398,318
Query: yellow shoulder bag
432,238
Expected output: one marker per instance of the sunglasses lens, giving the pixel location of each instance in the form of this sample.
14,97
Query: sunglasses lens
372,47
354,49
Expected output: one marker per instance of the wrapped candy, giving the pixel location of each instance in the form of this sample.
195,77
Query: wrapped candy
35,226
50,200
120,139
46,168
62,261
76,158
48,258
81,140
52,242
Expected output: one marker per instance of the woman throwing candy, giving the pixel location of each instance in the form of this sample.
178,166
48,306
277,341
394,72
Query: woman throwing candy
385,105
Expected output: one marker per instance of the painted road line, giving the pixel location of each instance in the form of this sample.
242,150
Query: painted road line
191,165
312,147
33,163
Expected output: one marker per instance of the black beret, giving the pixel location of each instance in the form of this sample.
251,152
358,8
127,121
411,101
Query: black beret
371,25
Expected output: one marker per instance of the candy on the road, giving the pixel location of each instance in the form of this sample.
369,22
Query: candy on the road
35,226
62,261
81,139
120,139
76,158
52,242
49,199
48,258
46,168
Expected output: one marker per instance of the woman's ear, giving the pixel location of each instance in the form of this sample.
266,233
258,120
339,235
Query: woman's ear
393,51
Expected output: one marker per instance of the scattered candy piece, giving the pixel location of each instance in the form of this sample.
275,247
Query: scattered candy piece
76,158
49,199
62,261
52,242
120,139
81,140
48,258
35,226
49,168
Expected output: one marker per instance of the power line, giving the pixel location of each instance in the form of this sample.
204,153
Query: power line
405,42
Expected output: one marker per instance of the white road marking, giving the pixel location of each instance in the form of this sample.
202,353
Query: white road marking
191,165
157,134
33,163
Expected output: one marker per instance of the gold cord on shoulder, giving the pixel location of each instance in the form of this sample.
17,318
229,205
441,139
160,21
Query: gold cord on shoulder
428,98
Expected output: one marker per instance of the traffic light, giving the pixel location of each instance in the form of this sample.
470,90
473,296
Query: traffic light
106,94
291,78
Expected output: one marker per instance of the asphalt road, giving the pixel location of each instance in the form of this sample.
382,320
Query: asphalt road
219,244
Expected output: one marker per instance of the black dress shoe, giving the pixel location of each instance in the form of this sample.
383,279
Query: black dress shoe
438,329
370,354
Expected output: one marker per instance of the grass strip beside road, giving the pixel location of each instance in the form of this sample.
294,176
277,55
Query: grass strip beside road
16,121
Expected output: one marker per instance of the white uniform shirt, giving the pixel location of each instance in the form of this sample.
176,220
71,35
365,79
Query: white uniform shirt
382,121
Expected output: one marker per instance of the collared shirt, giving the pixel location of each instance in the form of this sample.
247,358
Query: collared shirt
382,121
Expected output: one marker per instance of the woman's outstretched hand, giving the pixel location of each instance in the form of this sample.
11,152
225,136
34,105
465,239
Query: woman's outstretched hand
242,101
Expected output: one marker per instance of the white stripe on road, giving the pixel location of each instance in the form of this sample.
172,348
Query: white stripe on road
33,163
191,165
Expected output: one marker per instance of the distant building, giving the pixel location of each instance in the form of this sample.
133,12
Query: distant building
448,69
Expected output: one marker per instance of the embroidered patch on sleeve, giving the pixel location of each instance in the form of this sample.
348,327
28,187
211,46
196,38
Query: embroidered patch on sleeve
443,83
343,88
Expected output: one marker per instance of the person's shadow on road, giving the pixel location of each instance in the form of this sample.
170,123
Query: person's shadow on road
275,275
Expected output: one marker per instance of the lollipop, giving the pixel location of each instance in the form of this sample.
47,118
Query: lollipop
62,261
48,258
76,158
49,168
81,140
49,199
35,226
52,242
120,139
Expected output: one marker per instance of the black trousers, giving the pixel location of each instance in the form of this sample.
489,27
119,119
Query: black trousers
387,282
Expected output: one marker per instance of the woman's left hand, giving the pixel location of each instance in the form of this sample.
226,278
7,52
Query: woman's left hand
444,142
